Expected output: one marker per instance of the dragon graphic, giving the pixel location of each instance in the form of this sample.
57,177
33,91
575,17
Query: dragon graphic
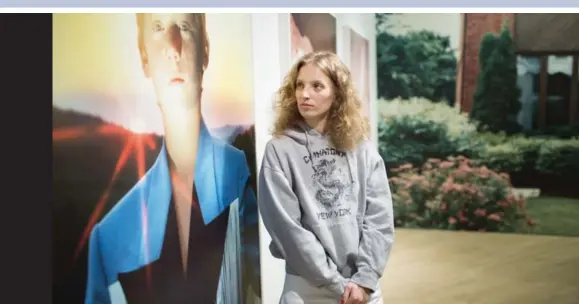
330,188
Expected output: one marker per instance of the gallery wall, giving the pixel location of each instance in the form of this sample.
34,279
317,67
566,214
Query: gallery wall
271,62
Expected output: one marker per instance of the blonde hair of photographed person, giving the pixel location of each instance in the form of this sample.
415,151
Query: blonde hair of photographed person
346,125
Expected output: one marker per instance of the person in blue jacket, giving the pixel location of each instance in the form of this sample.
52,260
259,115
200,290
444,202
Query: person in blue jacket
175,237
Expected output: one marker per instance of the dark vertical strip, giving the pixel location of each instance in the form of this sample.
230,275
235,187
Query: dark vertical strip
26,65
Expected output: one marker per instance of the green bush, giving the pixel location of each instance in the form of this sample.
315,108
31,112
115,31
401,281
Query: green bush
503,157
509,153
548,163
527,154
411,131
562,132
458,123
408,139
559,157
493,139
456,194
528,148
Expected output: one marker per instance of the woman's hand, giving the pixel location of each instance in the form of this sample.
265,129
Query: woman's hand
354,294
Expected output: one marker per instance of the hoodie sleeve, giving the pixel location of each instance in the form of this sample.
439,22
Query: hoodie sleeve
280,212
377,226
97,291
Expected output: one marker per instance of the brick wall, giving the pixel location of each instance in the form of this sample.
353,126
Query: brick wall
474,26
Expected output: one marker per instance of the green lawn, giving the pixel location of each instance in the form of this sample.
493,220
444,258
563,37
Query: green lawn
555,215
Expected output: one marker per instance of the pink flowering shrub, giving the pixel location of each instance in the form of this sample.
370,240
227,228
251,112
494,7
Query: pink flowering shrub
456,194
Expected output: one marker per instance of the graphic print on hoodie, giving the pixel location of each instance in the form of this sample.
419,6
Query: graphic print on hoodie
332,185
329,212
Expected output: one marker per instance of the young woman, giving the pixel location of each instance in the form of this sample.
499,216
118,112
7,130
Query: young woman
323,191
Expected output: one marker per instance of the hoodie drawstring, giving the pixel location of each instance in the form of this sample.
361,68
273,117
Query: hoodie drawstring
309,151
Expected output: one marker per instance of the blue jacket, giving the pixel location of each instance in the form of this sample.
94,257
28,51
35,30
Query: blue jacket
131,235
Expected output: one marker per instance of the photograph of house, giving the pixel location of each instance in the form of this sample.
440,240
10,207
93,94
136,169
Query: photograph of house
478,128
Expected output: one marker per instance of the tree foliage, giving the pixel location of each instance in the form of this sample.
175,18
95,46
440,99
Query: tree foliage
417,64
382,22
496,99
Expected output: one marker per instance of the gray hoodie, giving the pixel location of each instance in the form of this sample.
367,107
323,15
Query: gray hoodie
329,213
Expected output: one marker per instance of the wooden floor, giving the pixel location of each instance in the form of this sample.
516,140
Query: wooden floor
440,267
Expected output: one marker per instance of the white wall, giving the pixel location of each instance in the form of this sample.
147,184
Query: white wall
271,60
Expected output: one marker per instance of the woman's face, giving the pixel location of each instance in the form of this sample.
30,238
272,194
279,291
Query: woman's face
314,92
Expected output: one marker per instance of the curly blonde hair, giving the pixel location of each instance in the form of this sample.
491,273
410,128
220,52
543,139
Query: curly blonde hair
347,127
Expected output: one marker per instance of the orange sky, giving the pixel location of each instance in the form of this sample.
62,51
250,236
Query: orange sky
97,54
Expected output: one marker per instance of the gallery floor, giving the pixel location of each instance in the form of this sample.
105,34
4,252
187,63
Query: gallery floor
430,266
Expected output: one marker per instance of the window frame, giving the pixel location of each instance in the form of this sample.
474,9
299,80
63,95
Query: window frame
541,117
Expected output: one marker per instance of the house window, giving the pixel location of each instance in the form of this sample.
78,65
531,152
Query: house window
528,81
559,82
549,90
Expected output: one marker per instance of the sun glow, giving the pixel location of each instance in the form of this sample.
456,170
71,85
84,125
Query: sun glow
138,125
134,149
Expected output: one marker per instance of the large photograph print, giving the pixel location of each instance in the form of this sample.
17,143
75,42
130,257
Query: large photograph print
479,129
154,159
312,33
479,133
